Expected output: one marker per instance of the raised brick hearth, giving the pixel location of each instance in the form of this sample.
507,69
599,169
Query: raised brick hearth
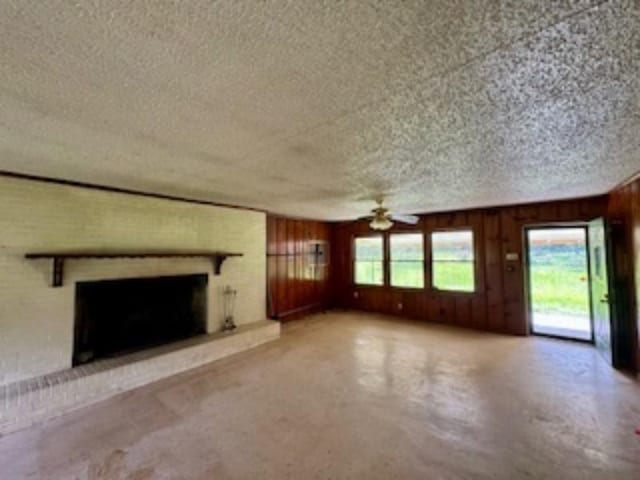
25,402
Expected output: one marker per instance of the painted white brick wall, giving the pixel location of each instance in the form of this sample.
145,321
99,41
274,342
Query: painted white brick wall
36,321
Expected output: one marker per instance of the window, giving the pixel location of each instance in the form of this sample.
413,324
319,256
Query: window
369,255
407,260
452,260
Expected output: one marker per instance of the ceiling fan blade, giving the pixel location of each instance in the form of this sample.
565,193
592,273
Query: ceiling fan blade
410,219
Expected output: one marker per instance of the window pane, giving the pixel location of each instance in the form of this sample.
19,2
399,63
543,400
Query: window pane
368,269
453,263
453,276
369,248
407,274
407,254
457,245
369,272
406,246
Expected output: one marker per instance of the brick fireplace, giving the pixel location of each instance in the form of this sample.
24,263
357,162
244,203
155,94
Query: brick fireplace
42,374
116,317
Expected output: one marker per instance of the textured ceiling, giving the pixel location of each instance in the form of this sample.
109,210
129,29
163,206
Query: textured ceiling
312,108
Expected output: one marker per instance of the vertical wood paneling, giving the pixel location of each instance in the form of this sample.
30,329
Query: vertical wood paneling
280,226
493,272
448,309
623,213
272,240
635,257
432,305
463,316
272,284
290,236
293,284
499,303
479,313
568,210
513,280
281,284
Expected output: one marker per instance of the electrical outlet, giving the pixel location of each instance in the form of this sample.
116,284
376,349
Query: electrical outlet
399,305
355,295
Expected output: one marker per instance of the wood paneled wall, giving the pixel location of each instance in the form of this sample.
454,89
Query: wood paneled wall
294,285
624,216
498,304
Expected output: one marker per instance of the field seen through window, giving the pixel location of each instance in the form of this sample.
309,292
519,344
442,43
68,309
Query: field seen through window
452,267
558,272
557,266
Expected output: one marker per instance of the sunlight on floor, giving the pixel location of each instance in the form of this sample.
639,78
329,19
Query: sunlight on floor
571,326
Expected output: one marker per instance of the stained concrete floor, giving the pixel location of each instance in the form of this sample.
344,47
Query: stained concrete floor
347,395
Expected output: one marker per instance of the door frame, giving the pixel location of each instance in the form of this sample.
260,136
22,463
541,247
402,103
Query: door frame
527,280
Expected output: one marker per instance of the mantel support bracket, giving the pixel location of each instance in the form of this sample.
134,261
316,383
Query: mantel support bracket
217,261
57,271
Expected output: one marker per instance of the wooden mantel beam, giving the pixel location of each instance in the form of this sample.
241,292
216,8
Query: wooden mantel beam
58,258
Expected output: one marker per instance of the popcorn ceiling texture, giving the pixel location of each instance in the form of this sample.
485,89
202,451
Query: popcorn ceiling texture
314,107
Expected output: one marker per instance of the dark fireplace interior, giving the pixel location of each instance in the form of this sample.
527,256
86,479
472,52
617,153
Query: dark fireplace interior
115,317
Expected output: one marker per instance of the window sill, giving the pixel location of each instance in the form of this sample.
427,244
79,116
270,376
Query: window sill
409,289
453,293
426,291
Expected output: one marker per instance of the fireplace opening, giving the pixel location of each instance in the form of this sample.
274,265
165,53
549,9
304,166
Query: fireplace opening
116,317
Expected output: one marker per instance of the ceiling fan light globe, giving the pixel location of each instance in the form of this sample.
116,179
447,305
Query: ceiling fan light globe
381,224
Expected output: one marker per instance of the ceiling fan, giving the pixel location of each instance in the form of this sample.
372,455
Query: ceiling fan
382,219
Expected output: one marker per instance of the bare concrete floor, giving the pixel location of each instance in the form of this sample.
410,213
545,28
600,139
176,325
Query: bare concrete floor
348,395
